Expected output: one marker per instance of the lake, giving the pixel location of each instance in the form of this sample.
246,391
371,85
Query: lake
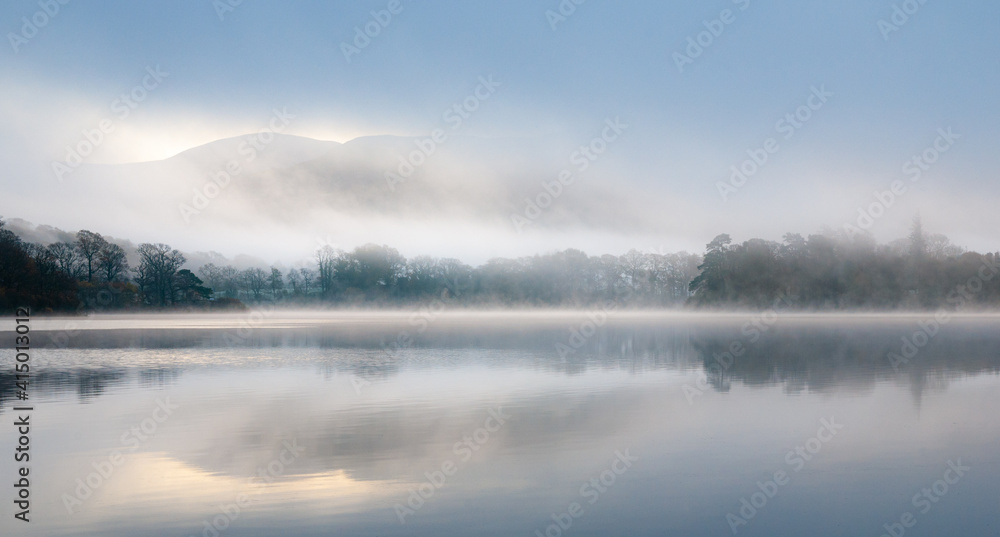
512,423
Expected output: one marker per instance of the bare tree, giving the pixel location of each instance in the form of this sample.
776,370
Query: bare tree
230,280
326,258
67,257
940,247
295,280
158,265
255,280
277,283
307,276
112,262
90,244
633,265
211,274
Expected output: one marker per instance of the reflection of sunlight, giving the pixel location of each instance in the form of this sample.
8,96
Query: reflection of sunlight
189,493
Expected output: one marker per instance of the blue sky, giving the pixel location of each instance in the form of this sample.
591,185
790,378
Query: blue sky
605,60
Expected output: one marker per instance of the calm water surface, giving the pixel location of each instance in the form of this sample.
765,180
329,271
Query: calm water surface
507,424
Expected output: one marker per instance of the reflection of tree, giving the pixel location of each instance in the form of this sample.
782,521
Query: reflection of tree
853,356
6,388
158,377
368,365
93,383
800,355
86,383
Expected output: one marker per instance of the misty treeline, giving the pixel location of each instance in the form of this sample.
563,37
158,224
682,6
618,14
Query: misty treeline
842,270
823,271
91,273
379,275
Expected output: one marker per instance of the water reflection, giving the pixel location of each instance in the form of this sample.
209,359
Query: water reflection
86,383
372,424
801,353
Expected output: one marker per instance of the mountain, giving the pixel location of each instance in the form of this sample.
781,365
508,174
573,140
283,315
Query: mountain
292,193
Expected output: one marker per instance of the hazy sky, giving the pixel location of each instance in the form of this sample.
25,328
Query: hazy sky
883,78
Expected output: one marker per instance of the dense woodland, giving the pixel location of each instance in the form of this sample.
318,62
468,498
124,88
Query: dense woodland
837,271
823,271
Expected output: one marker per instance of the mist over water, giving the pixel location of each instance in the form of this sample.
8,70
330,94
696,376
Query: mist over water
379,403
